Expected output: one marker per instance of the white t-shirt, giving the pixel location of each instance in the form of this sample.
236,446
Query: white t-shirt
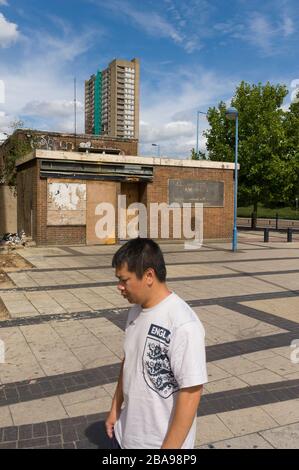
164,352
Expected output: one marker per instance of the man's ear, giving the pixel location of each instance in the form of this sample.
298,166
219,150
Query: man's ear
150,276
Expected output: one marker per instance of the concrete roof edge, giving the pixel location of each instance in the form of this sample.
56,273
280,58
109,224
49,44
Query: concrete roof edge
104,157
29,156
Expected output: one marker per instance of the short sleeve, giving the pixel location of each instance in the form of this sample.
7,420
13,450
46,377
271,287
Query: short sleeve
132,315
129,318
188,356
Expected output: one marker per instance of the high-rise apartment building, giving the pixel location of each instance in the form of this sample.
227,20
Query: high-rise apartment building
112,100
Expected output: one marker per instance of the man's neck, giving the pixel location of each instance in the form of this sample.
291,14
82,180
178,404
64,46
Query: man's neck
160,294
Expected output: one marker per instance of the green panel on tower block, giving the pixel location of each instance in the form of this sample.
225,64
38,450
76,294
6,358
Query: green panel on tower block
98,104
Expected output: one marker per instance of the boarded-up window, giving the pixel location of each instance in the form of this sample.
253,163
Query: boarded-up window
66,203
210,193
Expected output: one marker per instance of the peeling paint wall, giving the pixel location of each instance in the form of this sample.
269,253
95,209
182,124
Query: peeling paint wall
66,203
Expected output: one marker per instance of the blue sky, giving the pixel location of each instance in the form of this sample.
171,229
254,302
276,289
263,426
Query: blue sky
192,55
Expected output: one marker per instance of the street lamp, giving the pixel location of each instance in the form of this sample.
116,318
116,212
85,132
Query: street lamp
197,129
232,114
158,148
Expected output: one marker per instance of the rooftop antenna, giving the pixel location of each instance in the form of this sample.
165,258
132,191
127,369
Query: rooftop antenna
75,111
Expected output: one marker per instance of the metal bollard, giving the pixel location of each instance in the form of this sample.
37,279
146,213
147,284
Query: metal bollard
276,221
266,235
253,220
289,235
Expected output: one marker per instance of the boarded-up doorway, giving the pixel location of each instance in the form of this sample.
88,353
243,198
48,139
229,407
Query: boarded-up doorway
133,193
99,192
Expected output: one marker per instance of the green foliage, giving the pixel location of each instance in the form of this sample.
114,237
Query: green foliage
198,155
16,148
270,213
194,155
268,143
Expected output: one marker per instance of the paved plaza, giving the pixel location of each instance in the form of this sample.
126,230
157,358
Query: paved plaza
65,327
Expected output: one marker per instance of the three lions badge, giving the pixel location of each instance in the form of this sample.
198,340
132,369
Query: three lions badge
156,364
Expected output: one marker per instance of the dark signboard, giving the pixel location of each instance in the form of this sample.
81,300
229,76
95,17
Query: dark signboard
210,193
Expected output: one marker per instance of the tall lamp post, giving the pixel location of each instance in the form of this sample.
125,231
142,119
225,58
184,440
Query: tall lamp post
197,129
158,148
232,114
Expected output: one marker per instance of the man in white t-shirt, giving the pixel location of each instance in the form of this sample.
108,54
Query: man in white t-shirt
164,365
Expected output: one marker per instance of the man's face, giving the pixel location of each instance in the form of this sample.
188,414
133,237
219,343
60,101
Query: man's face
130,287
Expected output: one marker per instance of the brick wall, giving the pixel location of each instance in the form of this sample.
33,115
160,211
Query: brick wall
218,221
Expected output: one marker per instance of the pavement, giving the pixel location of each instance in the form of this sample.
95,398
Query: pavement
63,343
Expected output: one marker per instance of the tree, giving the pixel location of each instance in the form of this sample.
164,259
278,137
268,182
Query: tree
16,148
198,155
267,166
291,148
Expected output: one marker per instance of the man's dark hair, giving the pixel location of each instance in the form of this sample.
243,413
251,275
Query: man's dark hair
141,254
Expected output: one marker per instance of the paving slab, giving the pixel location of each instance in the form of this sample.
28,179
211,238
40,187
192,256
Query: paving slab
95,356
231,383
37,411
279,365
285,437
251,441
246,421
5,417
237,365
86,402
260,376
216,373
210,429
286,412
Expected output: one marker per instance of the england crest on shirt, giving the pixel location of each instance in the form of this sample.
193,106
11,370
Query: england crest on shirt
156,364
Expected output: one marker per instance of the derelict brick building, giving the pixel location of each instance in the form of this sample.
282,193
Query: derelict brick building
59,192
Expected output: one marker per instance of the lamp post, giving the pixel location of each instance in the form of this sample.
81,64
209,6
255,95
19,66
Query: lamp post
197,129
158,148
232,114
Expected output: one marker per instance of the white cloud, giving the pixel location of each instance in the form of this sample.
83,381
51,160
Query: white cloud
5,121
56,114
193,45
3,2
155,25
260,31
39,87
48,109
168,114
8,32
168,131
287,27
149,21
